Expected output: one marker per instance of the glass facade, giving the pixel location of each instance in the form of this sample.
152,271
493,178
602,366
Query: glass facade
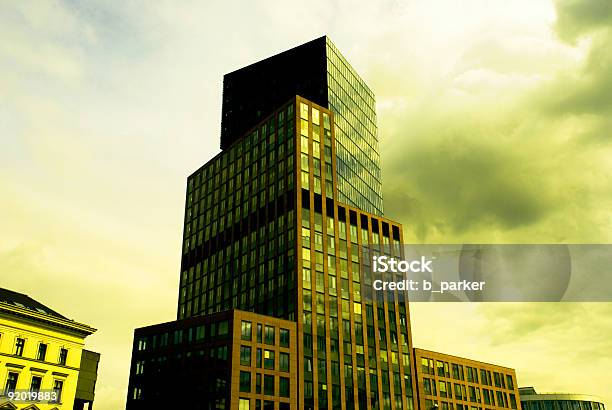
318,72
265,232
358,159
355,352
239,234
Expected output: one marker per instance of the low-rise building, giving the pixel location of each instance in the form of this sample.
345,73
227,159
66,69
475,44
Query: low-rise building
455,383
532,400
40,354
226,360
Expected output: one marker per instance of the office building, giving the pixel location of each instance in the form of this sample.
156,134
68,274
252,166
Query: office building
448,382
227,360
42,351
532,400
266,231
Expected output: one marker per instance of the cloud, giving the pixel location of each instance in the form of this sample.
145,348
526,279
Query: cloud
495,148
576,18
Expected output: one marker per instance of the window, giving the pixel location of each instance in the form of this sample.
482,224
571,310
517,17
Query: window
245,382
472,391
427,386
58,386
42,352
457,372
303,111
200,333
512,401
283,385
178,337
427,365
440,366
269,335
485,377
500,399
140,367
284,362
284,337
142,344
11,382
269,385
458,394
509,382
36,382
243,404
269,359
245,355
63,356
497,379
442,389
223,328
246,330
19,345
472,375
307,364
136,394
221,353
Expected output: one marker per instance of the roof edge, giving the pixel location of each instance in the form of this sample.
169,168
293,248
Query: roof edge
59,322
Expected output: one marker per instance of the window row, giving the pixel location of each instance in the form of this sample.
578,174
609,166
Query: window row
35,385
264,384
41,351
264,334
471,374
469,393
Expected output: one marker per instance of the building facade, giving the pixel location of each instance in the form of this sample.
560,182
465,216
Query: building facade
532,400
40,352
86,384
454,383
266,231
318,72
228,360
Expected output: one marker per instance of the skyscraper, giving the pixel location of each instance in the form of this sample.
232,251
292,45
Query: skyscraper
271,248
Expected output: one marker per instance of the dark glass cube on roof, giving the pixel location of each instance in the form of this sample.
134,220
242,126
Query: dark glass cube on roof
318,72
253,92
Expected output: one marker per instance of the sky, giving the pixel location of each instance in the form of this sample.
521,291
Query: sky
495,127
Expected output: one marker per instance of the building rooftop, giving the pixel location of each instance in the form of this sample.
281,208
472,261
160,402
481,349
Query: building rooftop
426,351
24,301
530,394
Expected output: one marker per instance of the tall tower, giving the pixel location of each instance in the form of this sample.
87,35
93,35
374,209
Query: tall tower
271,255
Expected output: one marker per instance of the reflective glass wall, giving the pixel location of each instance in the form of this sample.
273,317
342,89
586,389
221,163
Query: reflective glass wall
358,159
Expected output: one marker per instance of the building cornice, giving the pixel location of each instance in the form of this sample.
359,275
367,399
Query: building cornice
60,323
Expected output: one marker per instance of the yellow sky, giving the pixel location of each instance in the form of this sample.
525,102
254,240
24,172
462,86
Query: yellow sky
494,120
